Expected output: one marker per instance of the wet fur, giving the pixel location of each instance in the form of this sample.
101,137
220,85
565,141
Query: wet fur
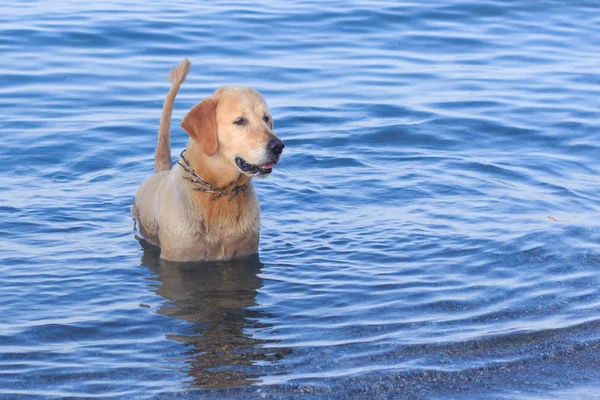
188,225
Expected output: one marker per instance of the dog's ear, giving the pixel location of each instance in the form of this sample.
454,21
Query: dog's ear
201,124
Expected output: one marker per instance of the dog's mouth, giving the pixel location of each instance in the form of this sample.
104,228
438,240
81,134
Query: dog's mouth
255,170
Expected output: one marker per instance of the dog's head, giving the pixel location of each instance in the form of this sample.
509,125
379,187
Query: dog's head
235,123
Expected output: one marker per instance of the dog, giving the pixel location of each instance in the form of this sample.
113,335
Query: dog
204,207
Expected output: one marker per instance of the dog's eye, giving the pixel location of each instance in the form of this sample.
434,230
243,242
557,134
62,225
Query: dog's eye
241,121
266,119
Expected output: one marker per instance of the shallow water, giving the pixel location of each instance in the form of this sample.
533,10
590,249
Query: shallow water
432,230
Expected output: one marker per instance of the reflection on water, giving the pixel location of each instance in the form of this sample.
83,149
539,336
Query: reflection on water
214,297
432,232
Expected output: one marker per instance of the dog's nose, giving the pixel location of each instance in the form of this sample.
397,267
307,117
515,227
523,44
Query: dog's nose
276,146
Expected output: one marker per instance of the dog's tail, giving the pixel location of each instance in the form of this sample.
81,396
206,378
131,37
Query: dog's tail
162,155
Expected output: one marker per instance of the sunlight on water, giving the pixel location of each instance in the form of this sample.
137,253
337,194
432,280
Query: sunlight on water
431,232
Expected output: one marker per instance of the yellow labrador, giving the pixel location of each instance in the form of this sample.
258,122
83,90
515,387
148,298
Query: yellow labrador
204,207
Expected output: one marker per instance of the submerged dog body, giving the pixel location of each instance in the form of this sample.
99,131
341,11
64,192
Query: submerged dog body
205,207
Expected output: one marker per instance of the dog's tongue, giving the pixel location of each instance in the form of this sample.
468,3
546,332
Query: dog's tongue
268,166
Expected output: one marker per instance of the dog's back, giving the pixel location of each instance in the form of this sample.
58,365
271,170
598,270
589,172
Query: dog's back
147,225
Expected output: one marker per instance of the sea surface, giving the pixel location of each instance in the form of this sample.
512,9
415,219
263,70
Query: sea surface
432,231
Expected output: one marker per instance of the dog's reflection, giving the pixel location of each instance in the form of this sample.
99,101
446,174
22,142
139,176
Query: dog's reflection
214,297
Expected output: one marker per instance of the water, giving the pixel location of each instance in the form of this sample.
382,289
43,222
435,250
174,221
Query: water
432,230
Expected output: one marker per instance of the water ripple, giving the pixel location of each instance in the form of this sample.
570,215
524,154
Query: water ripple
431,230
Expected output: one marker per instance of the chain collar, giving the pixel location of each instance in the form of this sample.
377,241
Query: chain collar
203,185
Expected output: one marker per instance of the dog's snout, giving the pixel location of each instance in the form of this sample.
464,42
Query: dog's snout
276,146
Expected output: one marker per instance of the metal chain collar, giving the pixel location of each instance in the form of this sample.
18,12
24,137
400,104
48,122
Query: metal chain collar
203,185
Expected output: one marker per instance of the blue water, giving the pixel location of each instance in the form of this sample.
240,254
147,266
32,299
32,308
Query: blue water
431,232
